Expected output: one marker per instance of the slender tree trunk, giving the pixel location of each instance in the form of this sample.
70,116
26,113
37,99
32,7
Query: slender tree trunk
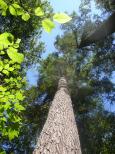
60,134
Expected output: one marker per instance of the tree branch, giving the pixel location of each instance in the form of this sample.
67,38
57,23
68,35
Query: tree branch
106,29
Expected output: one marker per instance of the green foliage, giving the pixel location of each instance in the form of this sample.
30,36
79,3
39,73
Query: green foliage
11,83
16,10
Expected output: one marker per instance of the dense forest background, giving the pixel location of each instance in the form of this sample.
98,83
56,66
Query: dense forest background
88,70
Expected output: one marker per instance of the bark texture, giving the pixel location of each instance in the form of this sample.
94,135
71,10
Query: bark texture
59,134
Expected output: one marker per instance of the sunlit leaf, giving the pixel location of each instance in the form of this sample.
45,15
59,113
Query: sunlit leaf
19,96
26,16
16,45
48,25
12,10
14,55
19,107
7,106
18,41
6,39
19,9
5,72
1,68
3,7
3,119
6,66
11,69
61,17
39,12
2,88
12,134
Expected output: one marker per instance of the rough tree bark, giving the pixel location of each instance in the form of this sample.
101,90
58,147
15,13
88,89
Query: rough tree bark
59,134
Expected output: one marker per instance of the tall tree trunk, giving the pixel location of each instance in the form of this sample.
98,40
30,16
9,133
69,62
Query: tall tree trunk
59,134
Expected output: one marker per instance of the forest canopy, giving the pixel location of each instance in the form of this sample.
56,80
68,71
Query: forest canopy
88,70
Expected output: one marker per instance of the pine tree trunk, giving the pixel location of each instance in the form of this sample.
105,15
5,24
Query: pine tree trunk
59,135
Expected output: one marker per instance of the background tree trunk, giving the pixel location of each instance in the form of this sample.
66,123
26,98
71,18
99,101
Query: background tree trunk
104,30
60,134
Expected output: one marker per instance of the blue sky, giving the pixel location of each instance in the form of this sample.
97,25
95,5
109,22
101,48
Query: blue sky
65,5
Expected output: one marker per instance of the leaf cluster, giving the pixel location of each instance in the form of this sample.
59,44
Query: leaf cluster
11,83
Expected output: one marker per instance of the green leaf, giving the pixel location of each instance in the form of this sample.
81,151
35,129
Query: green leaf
2,88
6,39
19,10
19,107
17,66
20,58
48,25
12,134
19,78
16,45
39,12
12,10
1,46
26,16
18,41
5,99
3,119
1,68
5,72
3,7
11,96
19,96
4,12
17,119
6,66
15,5
11,69
7,106
61,17
14,55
